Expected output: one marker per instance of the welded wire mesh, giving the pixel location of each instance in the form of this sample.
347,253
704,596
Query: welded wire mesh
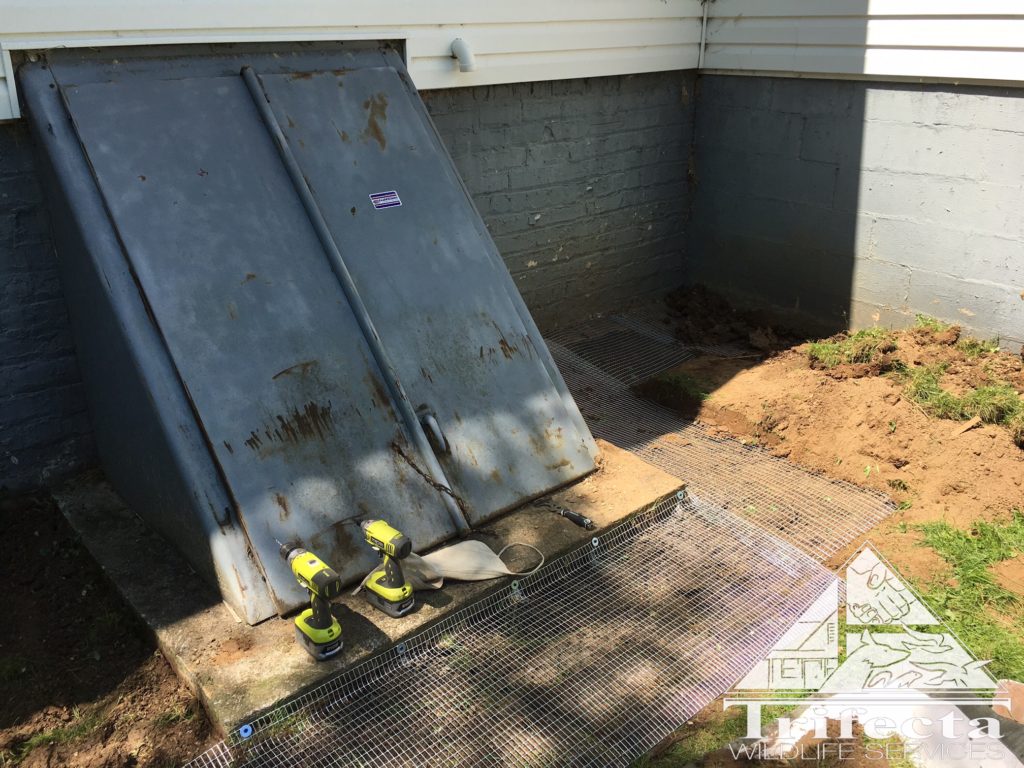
589,662
602,653
819,514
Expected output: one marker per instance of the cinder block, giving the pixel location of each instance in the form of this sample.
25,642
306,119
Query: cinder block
983,107
962,153
956,249
737,127
983,206
985,308
817,97
830,139
880,283
734,91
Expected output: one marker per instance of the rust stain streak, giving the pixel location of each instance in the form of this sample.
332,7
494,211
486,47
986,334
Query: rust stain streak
377,107
380,393
312,421
282,502
508,350
302,369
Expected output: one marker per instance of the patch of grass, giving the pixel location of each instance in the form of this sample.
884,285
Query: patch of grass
696,741
922,386
898,485
82,725
687,385
974,604
860,347
893,749
931,323
996,403
180,713
978,347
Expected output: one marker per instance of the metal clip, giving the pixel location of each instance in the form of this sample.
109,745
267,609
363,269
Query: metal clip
517,595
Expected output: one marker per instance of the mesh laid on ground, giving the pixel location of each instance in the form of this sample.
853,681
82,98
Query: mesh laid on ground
601,360
589,662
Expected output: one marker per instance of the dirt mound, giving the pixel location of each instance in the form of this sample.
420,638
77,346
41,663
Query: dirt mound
856,415
700,316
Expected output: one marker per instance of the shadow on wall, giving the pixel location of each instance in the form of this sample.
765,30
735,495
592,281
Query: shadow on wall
840,203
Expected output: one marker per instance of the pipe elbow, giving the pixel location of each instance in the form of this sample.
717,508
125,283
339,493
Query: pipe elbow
461,51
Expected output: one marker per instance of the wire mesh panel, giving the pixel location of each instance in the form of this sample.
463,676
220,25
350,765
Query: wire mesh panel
817,513
589,662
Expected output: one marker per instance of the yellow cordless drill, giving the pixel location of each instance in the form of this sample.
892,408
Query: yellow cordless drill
387,588
316,628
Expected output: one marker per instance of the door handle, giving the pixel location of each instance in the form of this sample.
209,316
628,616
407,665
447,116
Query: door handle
435,436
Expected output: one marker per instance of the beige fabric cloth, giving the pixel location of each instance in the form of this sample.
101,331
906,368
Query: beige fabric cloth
468,560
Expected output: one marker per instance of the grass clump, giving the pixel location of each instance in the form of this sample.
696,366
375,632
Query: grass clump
931,323
177,714
996,403
860,347
972,348
988,617
718,732
82,725
688,386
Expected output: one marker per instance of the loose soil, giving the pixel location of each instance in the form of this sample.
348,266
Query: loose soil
81,683
854,422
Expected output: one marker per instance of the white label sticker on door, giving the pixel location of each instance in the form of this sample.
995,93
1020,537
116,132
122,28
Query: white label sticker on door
385,199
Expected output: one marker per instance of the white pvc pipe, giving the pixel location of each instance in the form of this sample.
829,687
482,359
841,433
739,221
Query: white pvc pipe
462,52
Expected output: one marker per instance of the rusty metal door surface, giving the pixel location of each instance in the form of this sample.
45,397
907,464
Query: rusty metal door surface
267,348
431,277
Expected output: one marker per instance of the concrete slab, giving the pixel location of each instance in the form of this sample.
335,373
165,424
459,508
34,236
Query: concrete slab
237,670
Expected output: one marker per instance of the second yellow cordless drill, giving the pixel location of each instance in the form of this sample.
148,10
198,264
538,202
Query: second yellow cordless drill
387,588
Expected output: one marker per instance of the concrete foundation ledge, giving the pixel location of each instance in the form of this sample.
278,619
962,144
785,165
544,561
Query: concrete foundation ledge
237,670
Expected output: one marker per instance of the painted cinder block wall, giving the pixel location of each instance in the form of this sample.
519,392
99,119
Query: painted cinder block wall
582,183
836,203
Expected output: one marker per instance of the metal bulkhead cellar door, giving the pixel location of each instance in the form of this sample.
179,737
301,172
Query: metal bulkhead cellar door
430,275
279,373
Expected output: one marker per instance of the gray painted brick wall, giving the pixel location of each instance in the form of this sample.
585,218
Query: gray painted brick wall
840,202
582,184
44,426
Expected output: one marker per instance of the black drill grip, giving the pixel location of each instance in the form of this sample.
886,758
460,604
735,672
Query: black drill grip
393,576
321,618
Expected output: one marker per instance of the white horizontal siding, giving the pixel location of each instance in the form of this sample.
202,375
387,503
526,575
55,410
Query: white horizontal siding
512,40
524,40
934,40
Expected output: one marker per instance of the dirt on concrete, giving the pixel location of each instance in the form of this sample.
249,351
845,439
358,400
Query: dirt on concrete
81,682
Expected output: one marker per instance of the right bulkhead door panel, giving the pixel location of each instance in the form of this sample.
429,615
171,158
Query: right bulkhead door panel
433,283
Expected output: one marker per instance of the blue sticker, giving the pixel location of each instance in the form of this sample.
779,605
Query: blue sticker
245,731
385,199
